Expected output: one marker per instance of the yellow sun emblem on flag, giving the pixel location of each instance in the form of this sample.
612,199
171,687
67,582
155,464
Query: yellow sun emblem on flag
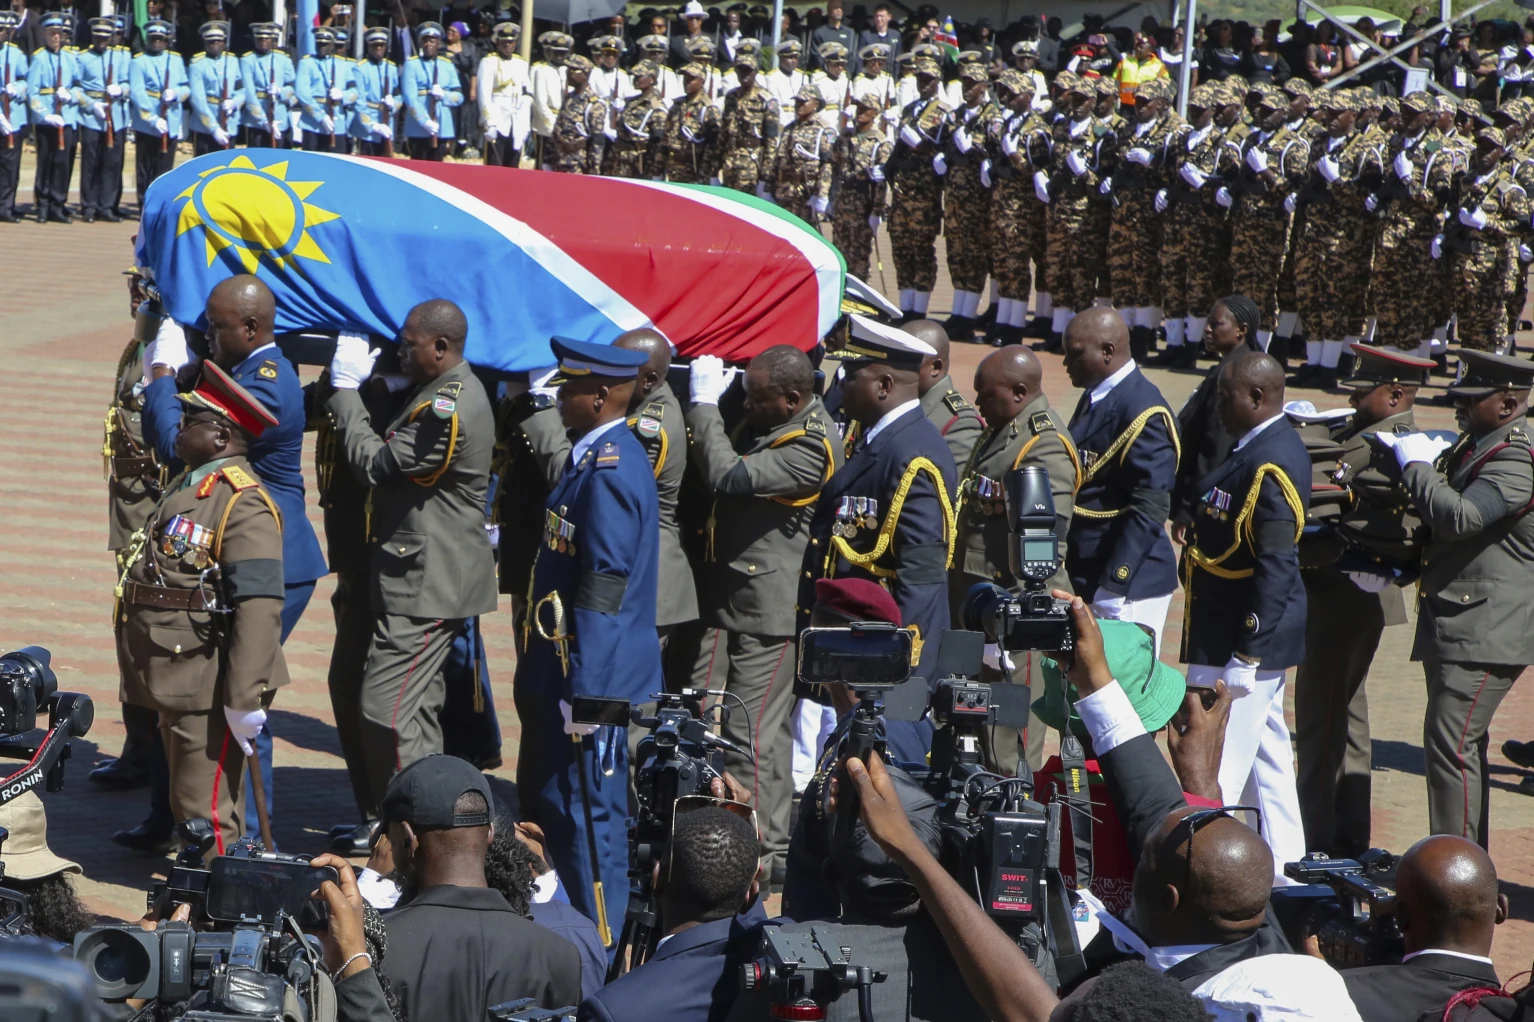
253,212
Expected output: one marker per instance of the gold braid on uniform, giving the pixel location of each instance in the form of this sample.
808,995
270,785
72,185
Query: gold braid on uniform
1070,451
109,426
1214,565
660,458
1120,447
218,536
892,518
713,510
452,443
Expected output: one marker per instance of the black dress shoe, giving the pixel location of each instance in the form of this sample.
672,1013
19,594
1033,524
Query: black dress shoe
110,217
10,218
42,215
356,843
60,216
89,218
1521,753
120,775
146,838
959,328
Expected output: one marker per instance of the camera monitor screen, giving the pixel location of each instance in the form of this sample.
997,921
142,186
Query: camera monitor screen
1039,549
256,890
859,657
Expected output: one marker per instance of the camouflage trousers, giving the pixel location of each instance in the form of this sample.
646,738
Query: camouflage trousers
625,162
1195,259
1134,250
1099,225
1258,240
916,218
1407,293
849,229
687,166
740,169
572,162
1074,260
1333,253
1288,277
1012,229
969,229
1482,282
1520,296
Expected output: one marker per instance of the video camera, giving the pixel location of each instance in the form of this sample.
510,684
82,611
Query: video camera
1033,619
1348,904
803,972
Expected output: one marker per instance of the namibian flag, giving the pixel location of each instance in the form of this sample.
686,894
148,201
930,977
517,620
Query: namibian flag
948,39
352,243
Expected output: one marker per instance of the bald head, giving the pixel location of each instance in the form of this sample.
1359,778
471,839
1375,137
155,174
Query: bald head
1251,390
936,367
652,343
1208,885
1096,346
240,313
1447,891
1006,382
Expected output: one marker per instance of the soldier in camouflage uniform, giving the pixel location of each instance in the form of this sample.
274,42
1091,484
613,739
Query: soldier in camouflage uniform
801,181
1510,118
1274,162
1480,243
580,131
968,183
1069,188
1305,116
1410,204
1148,151
641,127
691,128
916,187
748,128
1020,138
1334,245
1100,218
857,207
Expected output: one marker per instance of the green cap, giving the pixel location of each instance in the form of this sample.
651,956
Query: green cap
1154,689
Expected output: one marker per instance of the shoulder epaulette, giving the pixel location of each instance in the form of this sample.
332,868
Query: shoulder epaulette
956,403
267,370
197,56
656,409
238,477
1040,422
307,56
814,425
607,455
445,404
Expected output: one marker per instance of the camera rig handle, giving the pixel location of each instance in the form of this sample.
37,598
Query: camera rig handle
70,715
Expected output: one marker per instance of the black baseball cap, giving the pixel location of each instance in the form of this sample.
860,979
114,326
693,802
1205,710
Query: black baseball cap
424,793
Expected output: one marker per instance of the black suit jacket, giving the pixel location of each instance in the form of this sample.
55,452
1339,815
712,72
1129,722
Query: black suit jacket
1389,993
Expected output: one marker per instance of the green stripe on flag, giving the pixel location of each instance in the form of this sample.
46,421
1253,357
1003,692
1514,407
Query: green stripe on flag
764,206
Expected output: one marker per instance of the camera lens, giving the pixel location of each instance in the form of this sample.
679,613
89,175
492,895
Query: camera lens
117,960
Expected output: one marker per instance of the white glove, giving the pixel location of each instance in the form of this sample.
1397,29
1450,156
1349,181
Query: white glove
245,725
1369,582
1224,198
962,140
437,92
909,136
491,134
571,727
1525,254
114,90
1105,186
329,122
296,124
874,221
1403,167
1075,163
892,115
1161,201
538,382
715,181
99,110
18,89
985,173
54,120
707,378
335,95
1437,247
6,128
1041,186
432,127
1413,447
1257,160
383,129
996,658
1240,677
1372,203
1110,608
761,190
876,172
230,105
1329,169
65,97
168,347
1473,218
352,363
220,136
939,165
1290,201
611,134
1008,146
617,105
1141,156
392,101
1196,178
819,204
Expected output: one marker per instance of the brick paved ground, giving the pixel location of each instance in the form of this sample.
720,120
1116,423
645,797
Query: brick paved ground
63,324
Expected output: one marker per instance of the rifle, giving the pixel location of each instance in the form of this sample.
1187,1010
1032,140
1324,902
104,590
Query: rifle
223,117
617,75
431,101
165,106
5,99
330,104
107,81
271,101
58,96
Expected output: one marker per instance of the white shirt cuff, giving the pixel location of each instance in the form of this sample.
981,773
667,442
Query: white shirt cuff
1110,718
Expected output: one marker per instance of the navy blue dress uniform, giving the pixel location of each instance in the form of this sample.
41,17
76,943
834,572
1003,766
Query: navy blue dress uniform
590,632
887,514
1117,546
13,110
103,121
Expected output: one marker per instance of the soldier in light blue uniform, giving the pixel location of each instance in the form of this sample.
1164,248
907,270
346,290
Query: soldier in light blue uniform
157,87
375,97
431,91
218,91
269,94
13,115
323,79
51,101
103,94
591,628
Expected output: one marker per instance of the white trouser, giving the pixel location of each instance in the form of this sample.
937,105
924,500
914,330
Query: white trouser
812,723
1257,763
1149,611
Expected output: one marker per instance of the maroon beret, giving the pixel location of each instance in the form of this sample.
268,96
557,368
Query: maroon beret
856,599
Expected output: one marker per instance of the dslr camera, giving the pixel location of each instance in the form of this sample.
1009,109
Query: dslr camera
1348,904
801,973
1033,619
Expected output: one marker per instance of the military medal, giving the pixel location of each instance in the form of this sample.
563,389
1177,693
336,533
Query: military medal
871,519
838,527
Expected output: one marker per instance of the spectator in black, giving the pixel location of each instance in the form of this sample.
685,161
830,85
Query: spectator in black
692,17
835,30
1454,62
1220,59
464,52
53,910
712,917
457,947
1448,906
1323,61
883,33
1265,63
355,945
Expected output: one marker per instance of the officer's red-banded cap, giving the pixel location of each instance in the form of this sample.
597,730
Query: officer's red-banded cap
856,599
1374,367
217,392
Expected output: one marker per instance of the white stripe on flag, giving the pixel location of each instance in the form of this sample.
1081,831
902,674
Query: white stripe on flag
586,285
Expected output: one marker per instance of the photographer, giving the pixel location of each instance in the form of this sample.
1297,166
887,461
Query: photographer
711,913
354,949
52,909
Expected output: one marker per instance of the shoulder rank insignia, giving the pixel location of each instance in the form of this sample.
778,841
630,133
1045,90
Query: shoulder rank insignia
955,402
1040,422
268,370
655,409
607,456
239,478
205,488
646,426
814,425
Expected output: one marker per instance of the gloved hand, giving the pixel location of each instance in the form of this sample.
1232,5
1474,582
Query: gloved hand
6,127
1402,167
1224,198
1075,163
1413,447
1329,169
1196,178
245,725
939,165
329,122
1290,201
909,136
296,125
432,127
715,181
571,727
1141,156
491,134
611,134
538,382
1160,201
220,136
1371,203
99,110
383,129
1041,186
707,378
1437,247
18,89
761,190
1525,254
336,95
1240,677
1473,218
876,172
1105,186
819,204
352,363
1369,582
962,141
168,347
892,115
229,105
985,173
392,101
162,126
996,658
54,120
1008,145
1257,160
438,92
65,97
1108,607
617,105
874,220
114,90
